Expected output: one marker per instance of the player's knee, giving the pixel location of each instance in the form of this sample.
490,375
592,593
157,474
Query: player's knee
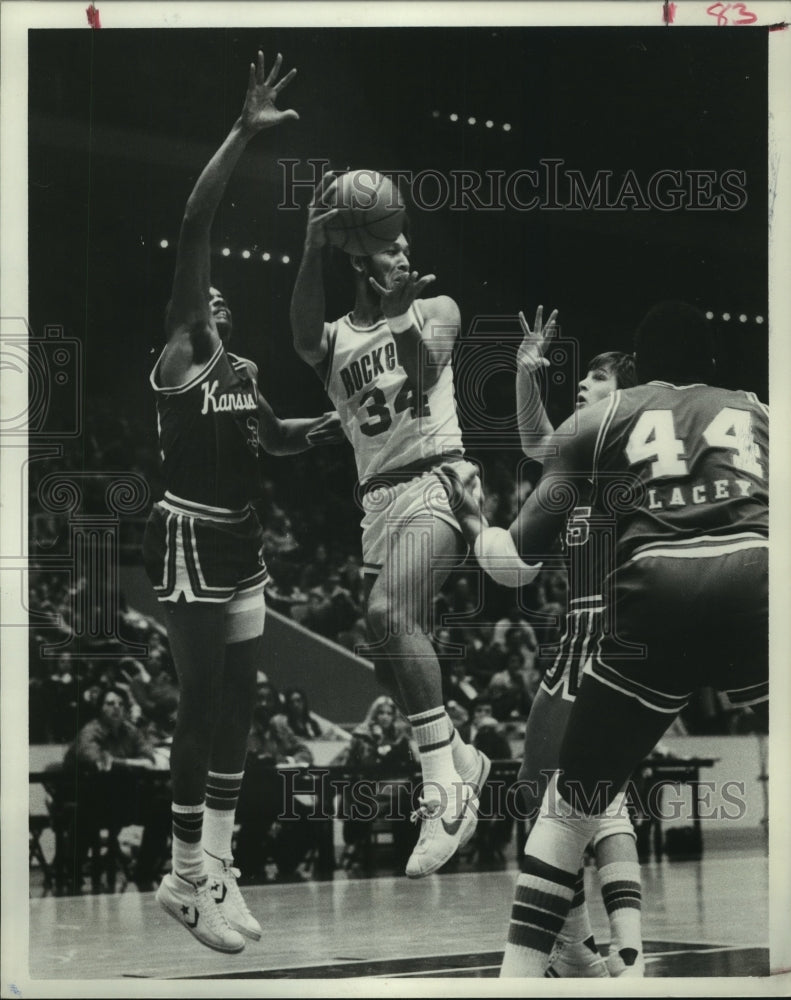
245,616
560,830
588,796
614,821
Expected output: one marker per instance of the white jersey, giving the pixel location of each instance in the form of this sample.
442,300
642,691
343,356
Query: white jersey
387,425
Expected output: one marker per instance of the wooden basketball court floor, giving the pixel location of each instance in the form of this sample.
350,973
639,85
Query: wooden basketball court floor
700,918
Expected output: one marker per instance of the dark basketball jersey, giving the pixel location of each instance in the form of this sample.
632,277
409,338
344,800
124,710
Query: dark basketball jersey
589,547
208,434
682,462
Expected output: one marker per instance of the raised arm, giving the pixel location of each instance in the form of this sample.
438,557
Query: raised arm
535,428
565,480
190,327
307,299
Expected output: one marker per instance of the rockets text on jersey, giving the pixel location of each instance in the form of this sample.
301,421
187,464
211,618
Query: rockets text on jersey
388,424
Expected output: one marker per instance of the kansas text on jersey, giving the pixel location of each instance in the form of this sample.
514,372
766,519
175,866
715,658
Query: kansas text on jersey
208,434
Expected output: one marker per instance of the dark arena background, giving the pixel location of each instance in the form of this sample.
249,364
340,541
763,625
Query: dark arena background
121,122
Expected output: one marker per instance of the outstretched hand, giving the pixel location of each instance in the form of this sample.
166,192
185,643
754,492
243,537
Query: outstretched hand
328,429
535,342
259,111
404,289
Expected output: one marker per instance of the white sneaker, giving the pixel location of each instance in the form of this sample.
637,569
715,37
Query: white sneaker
617,964
576,960
445,827
192,904
228,896
477,783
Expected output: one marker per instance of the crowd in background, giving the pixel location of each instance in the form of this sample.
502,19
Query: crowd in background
491,641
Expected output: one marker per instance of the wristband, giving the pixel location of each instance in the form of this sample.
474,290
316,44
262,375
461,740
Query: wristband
403,322
496,553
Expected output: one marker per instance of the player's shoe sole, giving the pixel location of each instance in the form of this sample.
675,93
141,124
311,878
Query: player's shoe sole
193,906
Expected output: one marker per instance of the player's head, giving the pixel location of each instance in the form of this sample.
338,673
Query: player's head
386,264
389,260
674,343
223,319
606,373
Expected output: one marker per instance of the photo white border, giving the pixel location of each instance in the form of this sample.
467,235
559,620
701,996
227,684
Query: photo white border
16,16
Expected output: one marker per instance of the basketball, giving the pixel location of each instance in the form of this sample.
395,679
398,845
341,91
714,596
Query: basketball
371,212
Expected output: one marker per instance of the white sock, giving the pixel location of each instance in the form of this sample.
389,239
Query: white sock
222,794
620,889
465,759
546,888
430,729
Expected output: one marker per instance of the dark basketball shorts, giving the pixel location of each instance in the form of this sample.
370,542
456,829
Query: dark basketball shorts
203,553
580,641
686,615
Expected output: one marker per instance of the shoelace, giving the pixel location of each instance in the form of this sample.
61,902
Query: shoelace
214,917
234,889
424,811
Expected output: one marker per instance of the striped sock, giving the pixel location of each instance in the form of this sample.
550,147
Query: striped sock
541,902
465,759
547,886
620,889
222,794
430,729
577,927
187,848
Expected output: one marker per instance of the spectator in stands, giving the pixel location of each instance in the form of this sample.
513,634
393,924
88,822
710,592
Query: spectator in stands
154,811
156,690
65,699
381,751
458,685
339,610
495,824
110,740
278,537
510,689
514,632
318,569
262,831
482,717
282,593
308,725
351,574
103,800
